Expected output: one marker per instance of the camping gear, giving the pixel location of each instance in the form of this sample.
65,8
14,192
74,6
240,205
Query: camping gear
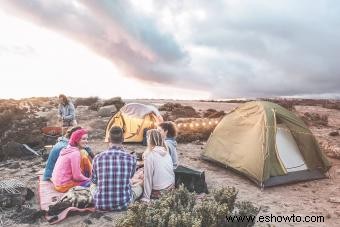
135,119
268,144
49,196
51,133
13,193
78,196
193,180
30,150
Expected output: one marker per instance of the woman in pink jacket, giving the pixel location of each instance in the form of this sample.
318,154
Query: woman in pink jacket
67,172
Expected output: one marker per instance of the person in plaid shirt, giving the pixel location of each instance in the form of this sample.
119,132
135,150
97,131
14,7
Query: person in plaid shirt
111,174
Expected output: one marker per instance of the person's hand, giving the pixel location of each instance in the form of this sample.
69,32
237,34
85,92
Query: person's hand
140,163
145,200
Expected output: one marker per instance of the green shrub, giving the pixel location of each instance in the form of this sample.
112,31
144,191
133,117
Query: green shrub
244,209
226,195
179,208
210,213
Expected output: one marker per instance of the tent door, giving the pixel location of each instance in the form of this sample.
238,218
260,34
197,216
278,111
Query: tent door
288,150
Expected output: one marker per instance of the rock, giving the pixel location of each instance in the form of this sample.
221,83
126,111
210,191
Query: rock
337,171
96,215
88,221
197,142
27,215
85,101
14,165
334,133
334,199
337,213
98,124
107,111
107,218
97,134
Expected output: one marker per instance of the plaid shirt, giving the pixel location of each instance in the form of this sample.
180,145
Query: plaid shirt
112,170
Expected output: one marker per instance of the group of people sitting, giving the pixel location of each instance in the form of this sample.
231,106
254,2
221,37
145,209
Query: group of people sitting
114,177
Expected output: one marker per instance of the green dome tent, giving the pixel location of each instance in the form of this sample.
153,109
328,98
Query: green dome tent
268,144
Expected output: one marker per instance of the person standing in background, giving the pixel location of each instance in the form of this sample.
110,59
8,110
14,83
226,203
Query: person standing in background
66,111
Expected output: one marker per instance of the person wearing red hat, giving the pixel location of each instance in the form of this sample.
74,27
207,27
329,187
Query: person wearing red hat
67,172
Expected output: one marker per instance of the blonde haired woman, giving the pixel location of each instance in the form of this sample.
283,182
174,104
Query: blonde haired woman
159,175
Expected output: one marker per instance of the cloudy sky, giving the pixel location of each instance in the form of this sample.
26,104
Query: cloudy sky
170,49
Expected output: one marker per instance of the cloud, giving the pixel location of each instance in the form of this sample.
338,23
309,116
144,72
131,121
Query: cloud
230,49
20,50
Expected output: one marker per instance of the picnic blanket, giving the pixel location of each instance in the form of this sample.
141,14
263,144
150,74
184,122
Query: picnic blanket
49,196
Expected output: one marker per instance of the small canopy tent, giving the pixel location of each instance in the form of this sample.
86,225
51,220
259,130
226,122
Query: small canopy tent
134,118
268,144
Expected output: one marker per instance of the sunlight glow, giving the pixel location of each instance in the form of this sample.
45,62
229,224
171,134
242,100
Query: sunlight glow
35,61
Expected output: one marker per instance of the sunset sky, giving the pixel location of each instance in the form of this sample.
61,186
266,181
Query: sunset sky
188,49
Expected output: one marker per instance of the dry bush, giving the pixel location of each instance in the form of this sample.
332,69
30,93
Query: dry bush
117,101
176,110
334,104
180,208
169,106
286,103
85,101
95,106
332,151
315,119
212,113
17,124
195,129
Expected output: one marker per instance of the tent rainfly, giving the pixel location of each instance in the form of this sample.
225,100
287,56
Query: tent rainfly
268,144
134,118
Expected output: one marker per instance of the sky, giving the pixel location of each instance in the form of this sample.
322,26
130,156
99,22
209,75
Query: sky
193,49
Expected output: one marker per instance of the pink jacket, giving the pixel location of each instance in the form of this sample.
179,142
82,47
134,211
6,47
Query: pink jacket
67,167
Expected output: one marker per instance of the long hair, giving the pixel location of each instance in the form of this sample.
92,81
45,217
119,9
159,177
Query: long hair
154,138
64,98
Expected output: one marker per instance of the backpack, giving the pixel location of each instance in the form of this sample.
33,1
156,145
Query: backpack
193,180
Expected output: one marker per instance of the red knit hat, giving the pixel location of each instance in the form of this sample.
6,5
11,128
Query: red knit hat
76,137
